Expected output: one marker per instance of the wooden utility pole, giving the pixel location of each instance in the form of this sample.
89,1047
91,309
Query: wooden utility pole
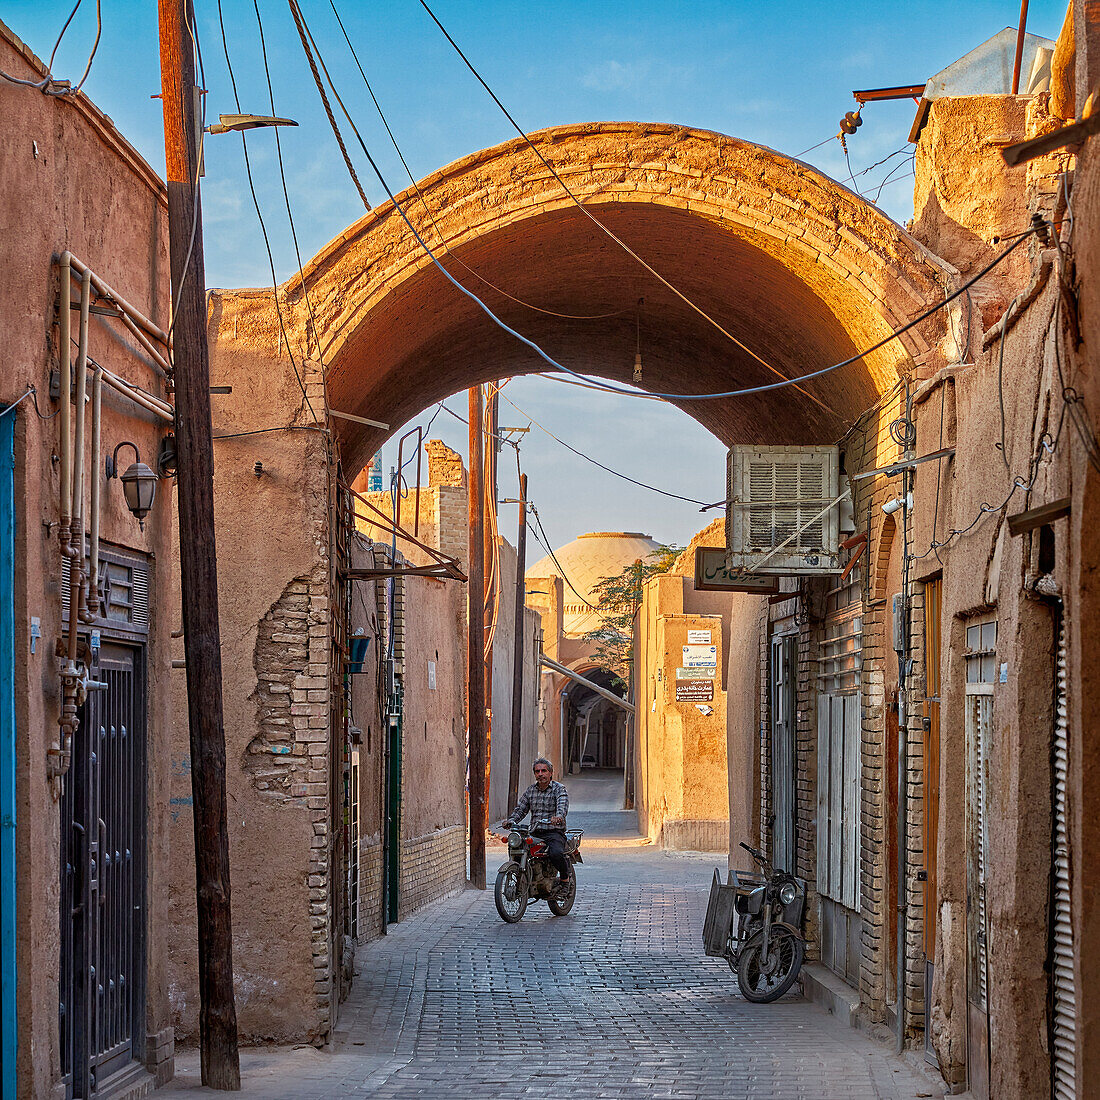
198,567
492,573
517,658
475,690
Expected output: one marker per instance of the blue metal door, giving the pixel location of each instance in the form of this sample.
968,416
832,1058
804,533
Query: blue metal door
8,1022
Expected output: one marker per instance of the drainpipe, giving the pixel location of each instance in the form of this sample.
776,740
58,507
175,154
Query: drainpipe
94,476
78,593
66,442
563,736
903,750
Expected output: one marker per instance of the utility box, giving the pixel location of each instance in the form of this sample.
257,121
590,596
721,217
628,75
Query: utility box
781,515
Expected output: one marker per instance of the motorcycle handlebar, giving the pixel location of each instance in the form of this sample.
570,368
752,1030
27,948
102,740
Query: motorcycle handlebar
753,852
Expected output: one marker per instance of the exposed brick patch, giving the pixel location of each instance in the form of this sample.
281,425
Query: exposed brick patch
432,866
286,758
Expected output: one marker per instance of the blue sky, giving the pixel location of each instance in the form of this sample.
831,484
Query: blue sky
780,74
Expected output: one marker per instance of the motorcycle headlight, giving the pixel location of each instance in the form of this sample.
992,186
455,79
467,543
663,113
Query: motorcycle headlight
788,892
515,838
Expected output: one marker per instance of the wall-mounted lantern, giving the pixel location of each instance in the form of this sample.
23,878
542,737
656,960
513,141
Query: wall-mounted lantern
139,483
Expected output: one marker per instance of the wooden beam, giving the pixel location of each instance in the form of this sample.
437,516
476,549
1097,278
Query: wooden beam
1023,522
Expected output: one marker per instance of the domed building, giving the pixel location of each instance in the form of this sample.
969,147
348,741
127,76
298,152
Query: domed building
578,727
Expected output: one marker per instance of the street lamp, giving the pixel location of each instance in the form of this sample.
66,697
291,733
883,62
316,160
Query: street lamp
228,123
139,483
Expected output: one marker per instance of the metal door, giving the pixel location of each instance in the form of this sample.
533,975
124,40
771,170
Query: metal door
9,1030
1063,978
102,1005
839,800
783,705
981,641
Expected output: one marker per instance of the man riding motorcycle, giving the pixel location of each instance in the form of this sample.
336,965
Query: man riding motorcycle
547,800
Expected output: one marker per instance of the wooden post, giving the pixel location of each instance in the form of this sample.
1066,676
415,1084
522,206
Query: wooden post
198,570
492,574
517,659
475,690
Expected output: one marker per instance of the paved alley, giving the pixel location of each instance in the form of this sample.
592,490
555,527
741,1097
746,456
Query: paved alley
615,1000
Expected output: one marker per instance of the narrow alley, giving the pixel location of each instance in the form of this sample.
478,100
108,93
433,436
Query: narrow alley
666,459
614,1000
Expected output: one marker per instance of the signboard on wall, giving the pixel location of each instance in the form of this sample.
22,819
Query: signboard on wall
712,574
694,691
700,656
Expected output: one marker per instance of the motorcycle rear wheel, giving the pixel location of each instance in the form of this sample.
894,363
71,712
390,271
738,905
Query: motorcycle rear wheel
559,906
510,893
766,977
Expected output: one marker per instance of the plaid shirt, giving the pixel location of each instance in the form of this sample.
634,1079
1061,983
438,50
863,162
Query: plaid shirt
553,802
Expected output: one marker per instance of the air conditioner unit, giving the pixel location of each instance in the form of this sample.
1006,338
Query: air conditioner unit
778,518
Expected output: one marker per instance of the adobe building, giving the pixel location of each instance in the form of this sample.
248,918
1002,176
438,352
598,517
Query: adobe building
436,514
927,762
682,642
89,600
577,726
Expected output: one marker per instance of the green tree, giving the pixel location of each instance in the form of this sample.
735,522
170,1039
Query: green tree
617,600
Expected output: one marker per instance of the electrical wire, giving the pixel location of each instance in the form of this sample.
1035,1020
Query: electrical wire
831,137
260,218
765,388
424,202
49,84
294,11
32,393
595,221
544,542
17,402
745,391
596,462
770,386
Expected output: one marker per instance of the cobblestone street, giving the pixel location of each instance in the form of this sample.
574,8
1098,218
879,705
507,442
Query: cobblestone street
615,1000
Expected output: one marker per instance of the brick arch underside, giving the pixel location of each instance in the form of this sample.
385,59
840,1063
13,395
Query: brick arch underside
798,268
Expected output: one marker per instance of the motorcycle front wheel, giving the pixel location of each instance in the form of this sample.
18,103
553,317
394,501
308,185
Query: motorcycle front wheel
764,975
561,904
510,893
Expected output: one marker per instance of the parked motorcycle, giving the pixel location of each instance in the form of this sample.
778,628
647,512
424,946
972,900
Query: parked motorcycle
528,875
766,948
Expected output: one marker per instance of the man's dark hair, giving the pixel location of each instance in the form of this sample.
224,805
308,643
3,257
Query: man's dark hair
543,760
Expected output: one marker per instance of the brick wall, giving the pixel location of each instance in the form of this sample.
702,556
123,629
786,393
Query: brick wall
432,867
370,888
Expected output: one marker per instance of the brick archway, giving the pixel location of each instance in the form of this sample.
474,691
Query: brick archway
799,268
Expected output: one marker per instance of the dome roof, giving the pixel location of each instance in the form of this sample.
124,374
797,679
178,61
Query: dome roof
586,561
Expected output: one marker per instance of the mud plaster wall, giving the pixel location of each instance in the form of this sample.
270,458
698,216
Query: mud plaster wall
682,786
272,533
60,158
985,572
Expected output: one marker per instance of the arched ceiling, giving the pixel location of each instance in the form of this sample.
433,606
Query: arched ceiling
799,269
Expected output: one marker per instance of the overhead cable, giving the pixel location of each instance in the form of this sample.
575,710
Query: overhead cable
428,210
49,84
596,222
263,227
675,397
294,10
770,386
596,462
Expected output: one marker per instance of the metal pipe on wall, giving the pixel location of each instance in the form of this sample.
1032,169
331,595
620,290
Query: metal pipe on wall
65,397
95,477
77,579
107,291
